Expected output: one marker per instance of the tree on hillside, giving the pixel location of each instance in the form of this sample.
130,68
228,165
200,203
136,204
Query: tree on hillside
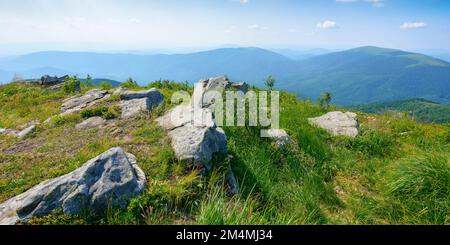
325,99
270,82
89,81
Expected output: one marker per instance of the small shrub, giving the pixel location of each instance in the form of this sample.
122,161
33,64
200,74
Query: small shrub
93,112
57,218
105,86
102,111
72,85
130,84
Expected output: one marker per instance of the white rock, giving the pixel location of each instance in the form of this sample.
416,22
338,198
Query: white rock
22,134
279,136
194,139
133,103
110,179
338,123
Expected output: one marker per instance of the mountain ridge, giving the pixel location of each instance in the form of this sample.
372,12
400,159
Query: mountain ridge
357,76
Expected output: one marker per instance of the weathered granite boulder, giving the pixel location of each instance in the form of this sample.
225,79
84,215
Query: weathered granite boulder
77,103
204,93
338,123
194,136
134,102
92,122
279,136
110,179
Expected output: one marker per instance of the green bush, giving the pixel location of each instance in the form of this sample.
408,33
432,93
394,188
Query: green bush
101,111
130,84
72,85
171,85
105,86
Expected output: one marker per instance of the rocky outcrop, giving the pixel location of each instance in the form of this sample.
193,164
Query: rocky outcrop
49,81
194,136
338,123
110,179
135,102
92,122
77,103
279,136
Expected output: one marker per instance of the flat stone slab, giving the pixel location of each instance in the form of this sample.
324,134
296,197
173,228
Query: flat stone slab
77,103
338,123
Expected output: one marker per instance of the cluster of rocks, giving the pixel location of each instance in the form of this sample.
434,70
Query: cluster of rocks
132,104
108,180
338,123
47,80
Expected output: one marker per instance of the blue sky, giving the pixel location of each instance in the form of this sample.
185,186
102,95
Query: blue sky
115,25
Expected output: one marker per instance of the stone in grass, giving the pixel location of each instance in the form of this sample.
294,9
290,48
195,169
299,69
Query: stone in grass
135,102
110,179
338,123
92,122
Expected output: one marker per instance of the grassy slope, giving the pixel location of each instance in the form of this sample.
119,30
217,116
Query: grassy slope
397,171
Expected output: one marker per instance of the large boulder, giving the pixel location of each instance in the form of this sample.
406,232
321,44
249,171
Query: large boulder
204,96
92,122
194,136
134,102
338,123
110,179
77,103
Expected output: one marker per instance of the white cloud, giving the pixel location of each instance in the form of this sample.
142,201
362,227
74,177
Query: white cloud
374,3
242,1
256,27
328,24
413,25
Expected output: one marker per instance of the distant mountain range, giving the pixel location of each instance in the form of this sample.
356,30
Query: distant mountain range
356,76
422,110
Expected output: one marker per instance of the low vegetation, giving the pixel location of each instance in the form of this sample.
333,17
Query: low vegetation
396,172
